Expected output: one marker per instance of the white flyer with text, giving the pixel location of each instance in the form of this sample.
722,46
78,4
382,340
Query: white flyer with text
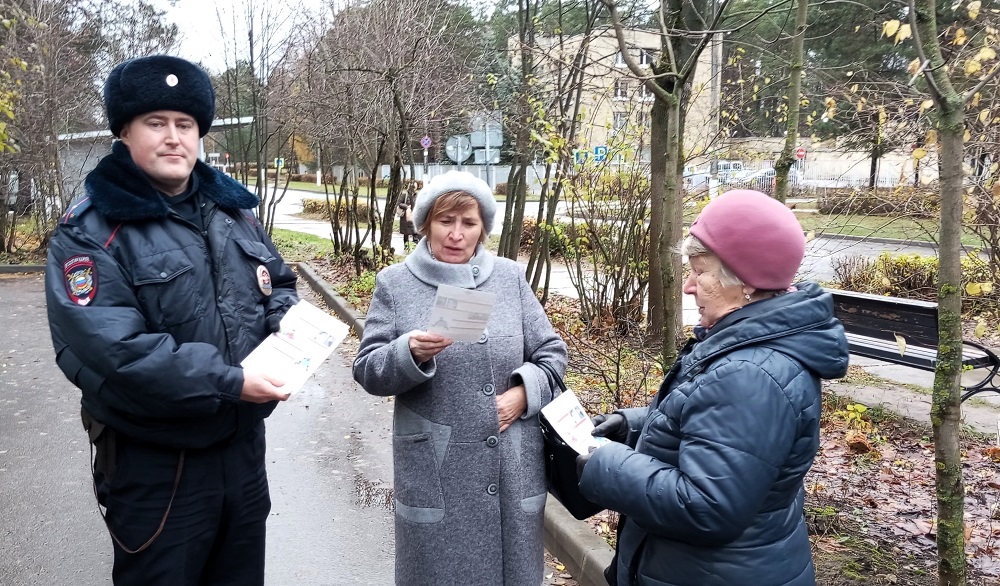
307,337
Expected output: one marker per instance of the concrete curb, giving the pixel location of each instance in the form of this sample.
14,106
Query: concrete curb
876,240
582,551
338,304
575,544
16,269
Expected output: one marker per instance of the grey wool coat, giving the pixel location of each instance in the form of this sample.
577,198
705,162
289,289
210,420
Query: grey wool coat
469,499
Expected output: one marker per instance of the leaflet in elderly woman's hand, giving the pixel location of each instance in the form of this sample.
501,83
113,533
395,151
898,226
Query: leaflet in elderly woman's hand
568,419
460,314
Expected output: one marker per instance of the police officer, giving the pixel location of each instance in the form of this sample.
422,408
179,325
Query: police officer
159,283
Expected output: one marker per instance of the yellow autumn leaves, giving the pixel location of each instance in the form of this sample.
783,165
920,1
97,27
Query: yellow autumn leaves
896,31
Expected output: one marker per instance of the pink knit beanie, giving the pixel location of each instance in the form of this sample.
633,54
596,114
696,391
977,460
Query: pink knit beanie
758,238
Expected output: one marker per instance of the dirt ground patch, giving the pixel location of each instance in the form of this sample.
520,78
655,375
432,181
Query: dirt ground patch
870,502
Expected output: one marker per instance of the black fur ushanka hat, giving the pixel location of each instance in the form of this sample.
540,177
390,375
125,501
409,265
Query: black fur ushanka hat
158,82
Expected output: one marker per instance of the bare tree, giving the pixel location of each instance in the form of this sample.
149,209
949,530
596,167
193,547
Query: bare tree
687,28
950,88
409,72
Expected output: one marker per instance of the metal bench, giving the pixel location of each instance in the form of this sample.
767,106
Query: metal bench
872,323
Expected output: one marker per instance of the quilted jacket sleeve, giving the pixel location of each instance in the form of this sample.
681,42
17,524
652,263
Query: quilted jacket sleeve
735,430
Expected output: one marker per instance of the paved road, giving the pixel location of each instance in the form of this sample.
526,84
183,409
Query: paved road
328,459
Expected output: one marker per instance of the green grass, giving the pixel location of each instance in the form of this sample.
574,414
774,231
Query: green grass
320,189
901,228
297,246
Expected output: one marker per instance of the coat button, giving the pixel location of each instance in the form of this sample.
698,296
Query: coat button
475,271
492,489
484,337
492,441
229,220
489,389
163,275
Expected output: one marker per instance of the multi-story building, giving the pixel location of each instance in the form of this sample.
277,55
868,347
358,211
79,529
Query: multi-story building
615,105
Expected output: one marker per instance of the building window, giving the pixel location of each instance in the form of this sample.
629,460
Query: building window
619,121
643,120
621,89
619,59
646,56
644,93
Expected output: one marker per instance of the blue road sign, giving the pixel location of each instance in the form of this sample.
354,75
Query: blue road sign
580,156
600,153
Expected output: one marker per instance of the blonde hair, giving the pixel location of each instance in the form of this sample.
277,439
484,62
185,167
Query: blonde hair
450,202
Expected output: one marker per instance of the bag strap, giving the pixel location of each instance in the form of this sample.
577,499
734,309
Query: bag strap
552,374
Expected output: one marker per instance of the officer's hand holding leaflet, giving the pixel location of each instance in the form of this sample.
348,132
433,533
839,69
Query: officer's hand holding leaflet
261,388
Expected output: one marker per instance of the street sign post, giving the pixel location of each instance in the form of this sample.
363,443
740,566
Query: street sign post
426,143
800,153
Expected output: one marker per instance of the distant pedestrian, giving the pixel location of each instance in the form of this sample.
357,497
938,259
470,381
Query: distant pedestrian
708,477
469,473
159,282
406,225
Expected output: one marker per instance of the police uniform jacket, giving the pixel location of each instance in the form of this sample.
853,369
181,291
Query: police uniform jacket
151,315
710,477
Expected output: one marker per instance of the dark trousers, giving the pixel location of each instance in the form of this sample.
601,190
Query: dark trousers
214,533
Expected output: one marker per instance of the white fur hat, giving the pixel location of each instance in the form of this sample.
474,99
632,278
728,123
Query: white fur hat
456,181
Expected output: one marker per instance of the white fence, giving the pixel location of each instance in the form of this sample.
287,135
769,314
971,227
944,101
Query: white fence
805,175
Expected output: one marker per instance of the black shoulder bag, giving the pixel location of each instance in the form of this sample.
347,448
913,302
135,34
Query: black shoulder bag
560,464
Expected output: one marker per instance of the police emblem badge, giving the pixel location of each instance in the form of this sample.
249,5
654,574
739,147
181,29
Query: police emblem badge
264,280
81,278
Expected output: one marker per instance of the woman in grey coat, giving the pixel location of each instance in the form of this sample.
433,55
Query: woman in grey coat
709,475
469,474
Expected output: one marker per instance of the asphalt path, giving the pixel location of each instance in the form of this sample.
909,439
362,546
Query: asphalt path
823,254
328,459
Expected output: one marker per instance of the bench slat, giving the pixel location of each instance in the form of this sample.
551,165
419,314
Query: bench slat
917,356
883,317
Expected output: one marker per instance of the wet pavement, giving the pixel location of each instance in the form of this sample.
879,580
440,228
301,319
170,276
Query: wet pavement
328,459
329,465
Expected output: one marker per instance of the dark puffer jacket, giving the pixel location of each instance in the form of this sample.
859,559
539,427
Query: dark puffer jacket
154,338
711,477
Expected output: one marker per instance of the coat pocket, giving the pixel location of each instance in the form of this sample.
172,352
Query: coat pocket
168,290
256,255
417,482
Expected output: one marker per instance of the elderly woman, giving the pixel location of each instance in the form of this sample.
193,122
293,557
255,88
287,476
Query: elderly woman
467,450
708,477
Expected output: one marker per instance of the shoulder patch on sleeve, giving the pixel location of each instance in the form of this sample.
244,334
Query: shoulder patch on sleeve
80,276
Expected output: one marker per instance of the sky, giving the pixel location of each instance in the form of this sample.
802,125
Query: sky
201,39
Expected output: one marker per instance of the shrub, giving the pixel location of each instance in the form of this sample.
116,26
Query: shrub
317,207
912,276
500,189
564,237
902,201
358,291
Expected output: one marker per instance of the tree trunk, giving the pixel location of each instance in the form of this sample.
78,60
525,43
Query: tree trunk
946,401
787,158
946,406
657,188
672,230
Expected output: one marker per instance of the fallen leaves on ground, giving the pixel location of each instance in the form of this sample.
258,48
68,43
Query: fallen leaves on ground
885,483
